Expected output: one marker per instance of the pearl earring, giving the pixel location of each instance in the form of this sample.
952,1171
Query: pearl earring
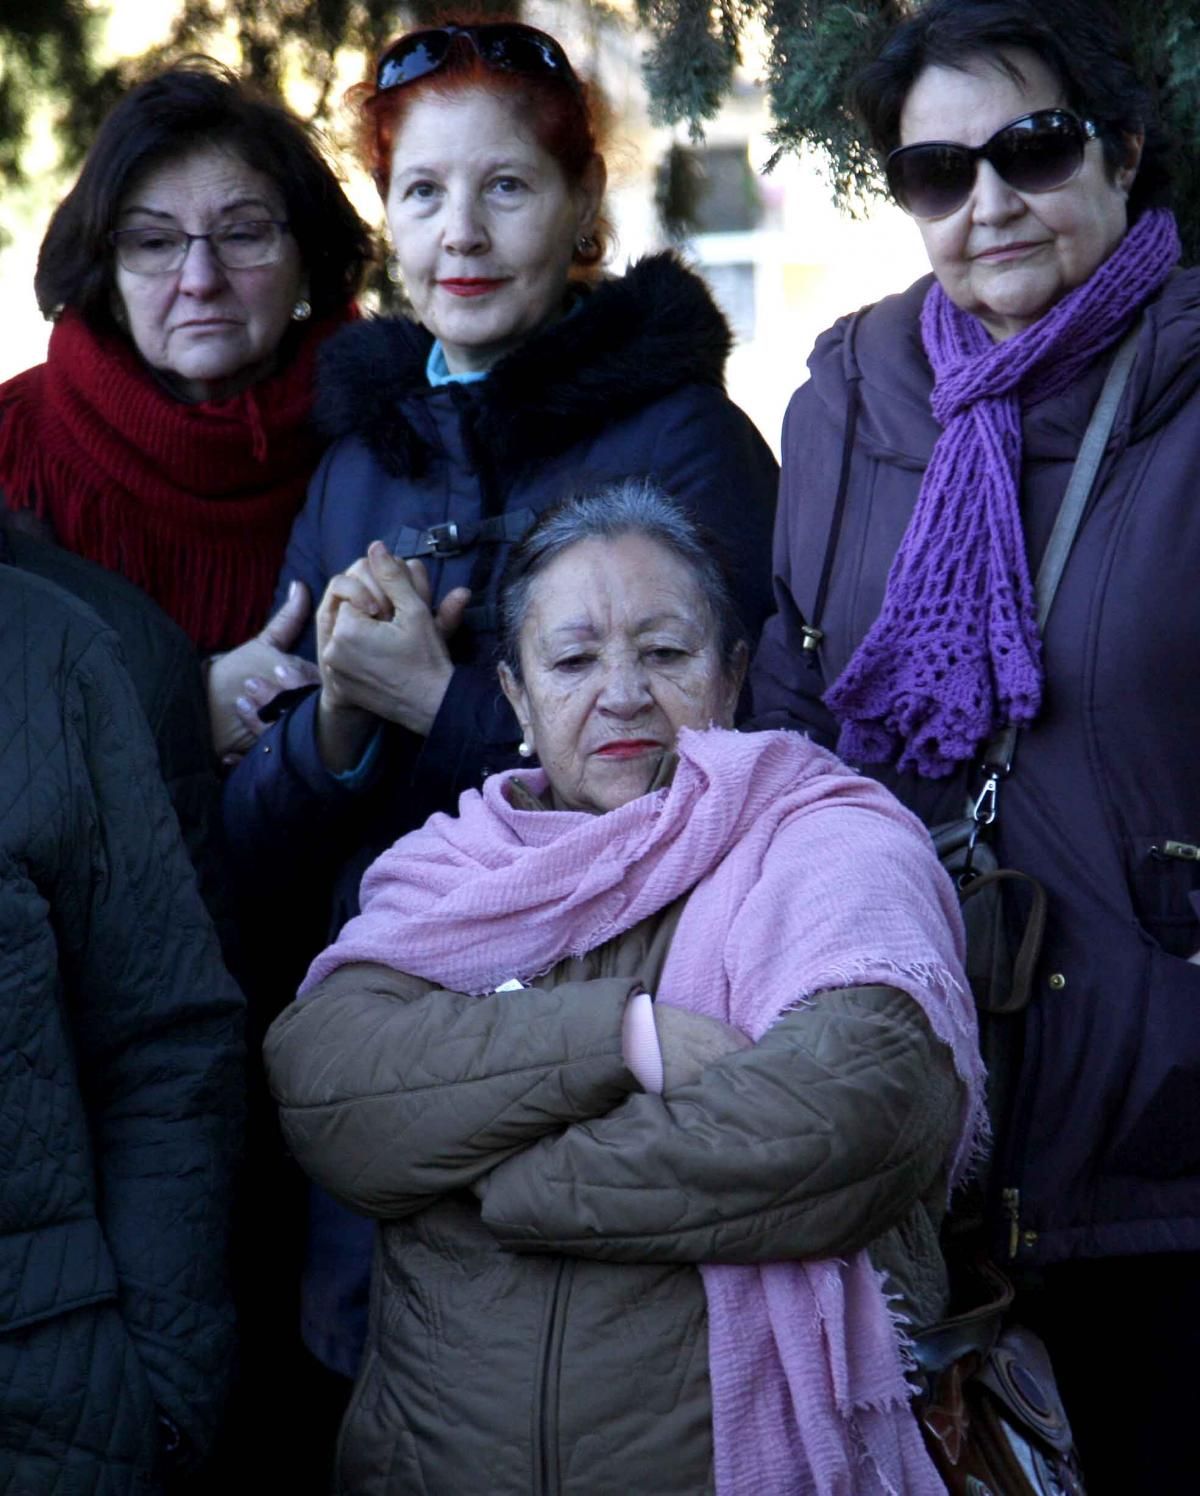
524,749
302,311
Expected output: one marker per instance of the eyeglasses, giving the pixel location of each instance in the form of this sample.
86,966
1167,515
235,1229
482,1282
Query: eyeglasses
504,45
1035,153
244,245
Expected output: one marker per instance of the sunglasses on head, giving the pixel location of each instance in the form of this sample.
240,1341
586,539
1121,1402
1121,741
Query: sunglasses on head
505,45
1035,153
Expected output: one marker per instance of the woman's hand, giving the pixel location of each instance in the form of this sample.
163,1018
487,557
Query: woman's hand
690,1043
248,677
382,653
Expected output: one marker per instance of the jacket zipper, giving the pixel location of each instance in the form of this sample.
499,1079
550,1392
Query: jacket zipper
1014,1148
1010,1204
548,1476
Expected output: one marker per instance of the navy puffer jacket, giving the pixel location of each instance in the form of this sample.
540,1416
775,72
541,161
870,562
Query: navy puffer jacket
631,383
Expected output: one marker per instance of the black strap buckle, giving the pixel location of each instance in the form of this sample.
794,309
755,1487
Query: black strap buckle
441,540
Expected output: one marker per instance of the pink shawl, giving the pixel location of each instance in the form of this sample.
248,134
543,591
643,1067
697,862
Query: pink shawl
805,877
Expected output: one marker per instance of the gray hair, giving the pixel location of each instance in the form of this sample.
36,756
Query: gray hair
628,506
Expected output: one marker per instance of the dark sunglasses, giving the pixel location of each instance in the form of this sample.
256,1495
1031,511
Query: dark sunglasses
505,45
1035,153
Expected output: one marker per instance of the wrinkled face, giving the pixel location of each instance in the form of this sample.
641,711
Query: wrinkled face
1005,256
618,652
484,224
211,331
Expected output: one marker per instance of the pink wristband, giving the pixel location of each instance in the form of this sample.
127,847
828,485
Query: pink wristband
640,1048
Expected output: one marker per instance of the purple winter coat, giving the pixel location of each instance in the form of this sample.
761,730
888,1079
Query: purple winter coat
1104,1149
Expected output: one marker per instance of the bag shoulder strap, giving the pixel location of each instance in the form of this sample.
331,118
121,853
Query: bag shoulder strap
1000,750
1083,475
811,632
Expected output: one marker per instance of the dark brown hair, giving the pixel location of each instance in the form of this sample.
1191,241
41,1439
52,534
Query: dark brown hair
1080,41
189,107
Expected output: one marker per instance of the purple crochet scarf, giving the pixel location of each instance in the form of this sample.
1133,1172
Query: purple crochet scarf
955,654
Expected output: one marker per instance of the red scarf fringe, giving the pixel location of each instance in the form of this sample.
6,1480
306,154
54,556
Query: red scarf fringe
193,503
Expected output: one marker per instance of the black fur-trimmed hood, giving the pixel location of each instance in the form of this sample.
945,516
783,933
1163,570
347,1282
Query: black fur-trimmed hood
635,339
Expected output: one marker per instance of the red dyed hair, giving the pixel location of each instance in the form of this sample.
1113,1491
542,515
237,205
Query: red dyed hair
567,122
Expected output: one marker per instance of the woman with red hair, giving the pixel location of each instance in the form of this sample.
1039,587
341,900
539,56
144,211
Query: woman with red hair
523,374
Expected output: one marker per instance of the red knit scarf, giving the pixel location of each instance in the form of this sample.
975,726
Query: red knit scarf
192,502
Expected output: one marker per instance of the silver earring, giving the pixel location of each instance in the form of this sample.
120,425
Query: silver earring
585,244
524,749
302,311
392,270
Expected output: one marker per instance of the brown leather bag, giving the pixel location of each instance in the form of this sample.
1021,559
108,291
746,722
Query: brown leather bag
990,1413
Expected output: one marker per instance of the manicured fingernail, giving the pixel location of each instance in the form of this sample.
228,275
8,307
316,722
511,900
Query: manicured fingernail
285,674
244,706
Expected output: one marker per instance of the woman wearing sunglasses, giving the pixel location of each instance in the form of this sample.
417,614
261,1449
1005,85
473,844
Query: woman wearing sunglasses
925,463
522,374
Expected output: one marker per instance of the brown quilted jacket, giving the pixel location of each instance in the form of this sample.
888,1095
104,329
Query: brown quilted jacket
538,1324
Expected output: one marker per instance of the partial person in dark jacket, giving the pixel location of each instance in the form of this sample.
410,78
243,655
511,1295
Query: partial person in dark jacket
120,1080
655,1065
523,377
167,678
1048,242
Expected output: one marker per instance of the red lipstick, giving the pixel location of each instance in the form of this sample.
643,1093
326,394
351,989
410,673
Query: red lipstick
473,286
629,748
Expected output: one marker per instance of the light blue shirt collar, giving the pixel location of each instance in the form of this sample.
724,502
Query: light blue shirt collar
437,372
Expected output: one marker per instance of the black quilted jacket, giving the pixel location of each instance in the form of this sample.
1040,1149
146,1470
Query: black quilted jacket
120,1077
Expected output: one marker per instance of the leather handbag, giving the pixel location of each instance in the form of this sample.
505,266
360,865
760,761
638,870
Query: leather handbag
990,1414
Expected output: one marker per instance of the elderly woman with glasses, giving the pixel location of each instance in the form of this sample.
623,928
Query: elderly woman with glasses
925,463
522,373
201,257
654,1064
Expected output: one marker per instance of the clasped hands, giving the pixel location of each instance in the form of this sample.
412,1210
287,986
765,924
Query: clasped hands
381,655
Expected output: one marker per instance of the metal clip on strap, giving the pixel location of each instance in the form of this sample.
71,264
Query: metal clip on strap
1000,750
452,538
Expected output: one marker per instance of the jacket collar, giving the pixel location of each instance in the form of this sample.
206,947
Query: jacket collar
881,347
636,338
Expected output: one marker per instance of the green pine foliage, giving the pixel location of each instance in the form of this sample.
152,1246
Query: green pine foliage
817,48
1166,35
47,51
693,52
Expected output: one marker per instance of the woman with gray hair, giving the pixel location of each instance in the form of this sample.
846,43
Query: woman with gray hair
655,1090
